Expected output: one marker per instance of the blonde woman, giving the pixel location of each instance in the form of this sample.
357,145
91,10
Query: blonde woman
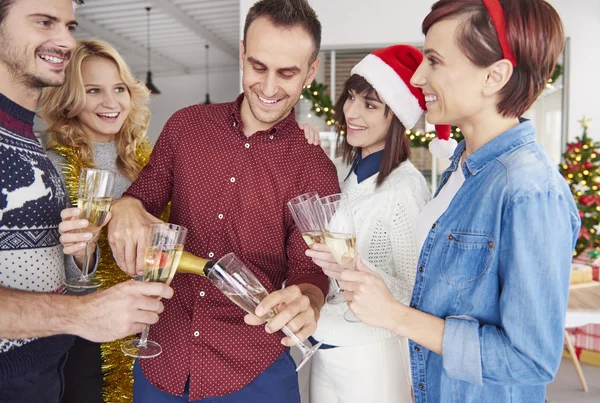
97,119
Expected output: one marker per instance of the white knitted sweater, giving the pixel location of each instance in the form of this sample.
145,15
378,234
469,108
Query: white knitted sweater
384,221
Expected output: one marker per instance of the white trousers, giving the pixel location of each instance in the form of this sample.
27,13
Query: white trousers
372,373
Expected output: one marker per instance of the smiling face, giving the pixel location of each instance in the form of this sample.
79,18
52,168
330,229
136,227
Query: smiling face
277,63
452,85
366,121
37,42
107,99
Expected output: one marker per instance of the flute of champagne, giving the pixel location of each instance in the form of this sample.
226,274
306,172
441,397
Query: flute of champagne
308,215
94,200
340,235
164,250
230,275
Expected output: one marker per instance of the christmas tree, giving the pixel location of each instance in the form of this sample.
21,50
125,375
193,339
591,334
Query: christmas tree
581,169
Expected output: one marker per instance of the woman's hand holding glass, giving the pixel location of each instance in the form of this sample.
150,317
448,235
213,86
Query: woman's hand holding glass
74,237
322,257
369,298
339,235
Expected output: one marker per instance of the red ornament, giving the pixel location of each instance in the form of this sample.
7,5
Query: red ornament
585,199
588,165
573,146
581,215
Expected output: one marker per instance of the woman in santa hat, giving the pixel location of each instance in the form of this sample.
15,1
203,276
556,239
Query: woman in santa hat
361,363
486,317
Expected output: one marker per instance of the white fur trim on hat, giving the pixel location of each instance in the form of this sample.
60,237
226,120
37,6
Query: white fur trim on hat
391,88
442,148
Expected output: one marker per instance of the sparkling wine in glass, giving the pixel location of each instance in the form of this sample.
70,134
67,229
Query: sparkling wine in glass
95,197
308,216
165,246
339,235
240,285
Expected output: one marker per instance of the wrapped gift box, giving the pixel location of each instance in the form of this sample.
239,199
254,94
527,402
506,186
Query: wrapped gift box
586,340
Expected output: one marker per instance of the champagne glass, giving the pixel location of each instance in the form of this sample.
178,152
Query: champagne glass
165,246
308,215
240,285
95,196
339,235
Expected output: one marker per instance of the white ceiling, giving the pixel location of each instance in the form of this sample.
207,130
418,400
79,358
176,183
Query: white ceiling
179,31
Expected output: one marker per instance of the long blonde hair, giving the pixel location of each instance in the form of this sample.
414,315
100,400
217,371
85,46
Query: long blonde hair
60,107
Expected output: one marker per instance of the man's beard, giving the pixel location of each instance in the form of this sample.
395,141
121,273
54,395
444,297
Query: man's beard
17,64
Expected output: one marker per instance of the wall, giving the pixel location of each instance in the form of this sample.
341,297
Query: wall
182,91
581,19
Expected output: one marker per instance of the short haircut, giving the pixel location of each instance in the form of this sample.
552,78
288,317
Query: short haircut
288,14
535,35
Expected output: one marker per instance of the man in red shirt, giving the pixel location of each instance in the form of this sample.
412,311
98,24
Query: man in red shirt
228,171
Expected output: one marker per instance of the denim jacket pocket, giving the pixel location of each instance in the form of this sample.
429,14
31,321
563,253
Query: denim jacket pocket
466,256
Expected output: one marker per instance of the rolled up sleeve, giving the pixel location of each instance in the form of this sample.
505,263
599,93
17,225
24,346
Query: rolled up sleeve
461,349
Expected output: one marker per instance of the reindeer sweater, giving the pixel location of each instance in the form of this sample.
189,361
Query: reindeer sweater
32,196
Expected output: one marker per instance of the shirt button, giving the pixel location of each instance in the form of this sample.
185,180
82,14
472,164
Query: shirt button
220,216
247,145
271,137
417,349
202,293
491,244
421,269
234,124
232,180
196,333
421,386
450,237
211,254
433,226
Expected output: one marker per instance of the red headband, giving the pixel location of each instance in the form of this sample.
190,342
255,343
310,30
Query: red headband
495,10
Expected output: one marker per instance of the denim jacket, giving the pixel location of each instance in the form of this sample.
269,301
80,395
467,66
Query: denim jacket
496,267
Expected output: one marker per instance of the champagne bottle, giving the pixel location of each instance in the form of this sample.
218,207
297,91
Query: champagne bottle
194,265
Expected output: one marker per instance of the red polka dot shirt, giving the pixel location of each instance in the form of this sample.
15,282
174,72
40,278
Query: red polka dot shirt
230,191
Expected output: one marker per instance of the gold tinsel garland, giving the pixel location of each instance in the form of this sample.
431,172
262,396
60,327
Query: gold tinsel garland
117,368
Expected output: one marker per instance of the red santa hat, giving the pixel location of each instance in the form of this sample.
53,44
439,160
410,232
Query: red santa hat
389,71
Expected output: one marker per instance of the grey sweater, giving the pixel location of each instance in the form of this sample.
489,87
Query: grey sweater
106,158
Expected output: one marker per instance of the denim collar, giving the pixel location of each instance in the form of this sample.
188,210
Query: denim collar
366,167
523,133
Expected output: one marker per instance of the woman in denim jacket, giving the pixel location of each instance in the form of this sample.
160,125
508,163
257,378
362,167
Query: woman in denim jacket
486,318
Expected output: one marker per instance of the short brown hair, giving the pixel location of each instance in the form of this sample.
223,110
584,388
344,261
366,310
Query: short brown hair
397,146
535,34
288,14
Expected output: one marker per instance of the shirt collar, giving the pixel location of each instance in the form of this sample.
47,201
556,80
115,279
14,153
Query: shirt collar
523,133
17,111
279,128
366,167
